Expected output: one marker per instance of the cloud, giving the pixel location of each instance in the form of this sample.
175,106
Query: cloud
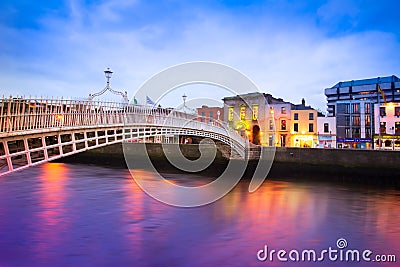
289,56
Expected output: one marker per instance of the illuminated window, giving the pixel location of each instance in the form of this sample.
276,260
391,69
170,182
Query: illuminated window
242,112
283,125
397,111
356,120
356,107
367,108
382,111
283,110
230,114
255,112
397,128
382,127
367,119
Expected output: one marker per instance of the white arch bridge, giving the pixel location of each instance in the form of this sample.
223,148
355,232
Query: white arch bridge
33,131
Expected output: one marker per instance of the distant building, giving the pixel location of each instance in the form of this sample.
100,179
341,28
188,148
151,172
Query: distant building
354,124
210,114
352,103
363,90
387,126
303,126
326,132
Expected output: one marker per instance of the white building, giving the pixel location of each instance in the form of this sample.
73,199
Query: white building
387,126
326,132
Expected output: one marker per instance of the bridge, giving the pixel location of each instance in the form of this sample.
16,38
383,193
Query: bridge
37,130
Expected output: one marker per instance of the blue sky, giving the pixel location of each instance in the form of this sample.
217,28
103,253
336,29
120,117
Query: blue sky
292,49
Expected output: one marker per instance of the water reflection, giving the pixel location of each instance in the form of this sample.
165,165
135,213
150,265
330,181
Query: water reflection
75,215
51,220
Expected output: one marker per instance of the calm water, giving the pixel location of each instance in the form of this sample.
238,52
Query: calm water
74,215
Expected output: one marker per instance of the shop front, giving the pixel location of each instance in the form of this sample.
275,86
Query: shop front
354,143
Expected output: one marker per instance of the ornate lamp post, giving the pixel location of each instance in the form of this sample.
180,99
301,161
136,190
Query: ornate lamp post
108,73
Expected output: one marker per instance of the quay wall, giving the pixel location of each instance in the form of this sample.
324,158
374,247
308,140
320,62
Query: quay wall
365,166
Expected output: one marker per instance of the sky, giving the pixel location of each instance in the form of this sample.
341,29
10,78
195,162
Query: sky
291,49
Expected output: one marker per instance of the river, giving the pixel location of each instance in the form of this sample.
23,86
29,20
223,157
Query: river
62,214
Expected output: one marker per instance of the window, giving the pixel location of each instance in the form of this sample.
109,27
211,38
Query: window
283,125
296,127
382,129
356,120
368,132
283,110
397,111
311,127
230,114
367,119
347,120
271,125
242,112
311,116
397,128
255,112
356,107
271,140
326,127
211,116
296,116
356,133
367,107
347,109
203,114
382,111
347,132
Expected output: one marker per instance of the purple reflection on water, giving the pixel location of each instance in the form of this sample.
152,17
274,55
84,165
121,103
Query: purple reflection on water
75,215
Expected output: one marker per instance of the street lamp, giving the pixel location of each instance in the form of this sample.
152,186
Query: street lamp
108,73
184,100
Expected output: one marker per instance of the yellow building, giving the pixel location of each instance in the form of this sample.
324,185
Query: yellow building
303,126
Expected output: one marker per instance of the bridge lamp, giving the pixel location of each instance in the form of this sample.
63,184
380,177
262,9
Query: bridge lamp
108,73
184,99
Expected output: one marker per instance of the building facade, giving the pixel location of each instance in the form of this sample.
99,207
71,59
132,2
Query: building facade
210,115
363,90
354,124
326,132
352,103
262,118
303,126
387,126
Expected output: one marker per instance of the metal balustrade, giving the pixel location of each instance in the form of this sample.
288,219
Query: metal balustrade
98,123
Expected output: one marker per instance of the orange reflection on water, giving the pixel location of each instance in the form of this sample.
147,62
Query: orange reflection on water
53,194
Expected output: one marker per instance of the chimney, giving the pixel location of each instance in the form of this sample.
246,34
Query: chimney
303,101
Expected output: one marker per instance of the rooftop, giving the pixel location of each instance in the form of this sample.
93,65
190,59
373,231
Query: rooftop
377,80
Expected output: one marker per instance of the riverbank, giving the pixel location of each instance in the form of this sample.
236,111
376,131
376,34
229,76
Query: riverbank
358,166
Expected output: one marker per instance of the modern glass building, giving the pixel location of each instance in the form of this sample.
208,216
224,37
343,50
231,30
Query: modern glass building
352,103
363,90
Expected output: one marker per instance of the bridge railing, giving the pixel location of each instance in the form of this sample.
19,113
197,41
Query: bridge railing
24,114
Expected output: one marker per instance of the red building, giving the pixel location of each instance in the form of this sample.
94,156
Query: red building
210,114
